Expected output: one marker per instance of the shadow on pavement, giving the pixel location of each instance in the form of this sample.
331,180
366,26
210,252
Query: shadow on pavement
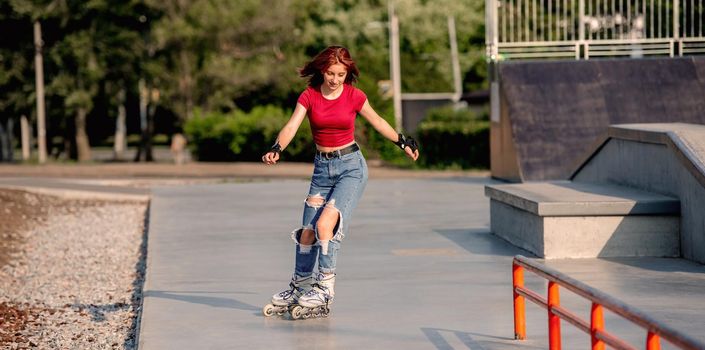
474,180
660,264
205,300
482,242
443,339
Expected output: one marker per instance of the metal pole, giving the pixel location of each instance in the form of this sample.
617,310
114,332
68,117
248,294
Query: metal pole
550,23
39,79
457,83
505,17
495,27
652,341
488,29
395,66
512,11
597,323
120,129
581,22
676,14
24,131
519,304
554,322
533,18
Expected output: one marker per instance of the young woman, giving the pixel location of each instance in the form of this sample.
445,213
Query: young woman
339,177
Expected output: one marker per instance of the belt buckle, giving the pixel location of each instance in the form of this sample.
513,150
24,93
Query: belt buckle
329,155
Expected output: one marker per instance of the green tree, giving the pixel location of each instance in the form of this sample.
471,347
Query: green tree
73,56
209,53
16,74
426,64
122,27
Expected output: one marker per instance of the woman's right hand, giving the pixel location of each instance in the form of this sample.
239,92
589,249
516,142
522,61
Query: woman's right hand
270,158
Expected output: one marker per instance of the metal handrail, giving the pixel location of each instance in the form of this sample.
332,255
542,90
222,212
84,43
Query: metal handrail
600,337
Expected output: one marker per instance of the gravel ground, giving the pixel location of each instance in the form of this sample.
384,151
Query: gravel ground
71,272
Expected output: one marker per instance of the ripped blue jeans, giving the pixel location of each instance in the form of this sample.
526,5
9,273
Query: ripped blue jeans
337,183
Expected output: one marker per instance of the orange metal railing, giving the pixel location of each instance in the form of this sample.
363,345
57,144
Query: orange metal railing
595,327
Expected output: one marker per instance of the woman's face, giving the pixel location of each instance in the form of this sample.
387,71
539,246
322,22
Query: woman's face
334,76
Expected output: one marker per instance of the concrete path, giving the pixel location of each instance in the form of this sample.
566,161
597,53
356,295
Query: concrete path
76,189
418,270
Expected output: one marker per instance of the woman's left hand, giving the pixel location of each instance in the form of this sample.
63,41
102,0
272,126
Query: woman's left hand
411,154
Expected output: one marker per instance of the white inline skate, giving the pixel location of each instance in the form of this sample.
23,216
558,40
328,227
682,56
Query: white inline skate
285,300
317,301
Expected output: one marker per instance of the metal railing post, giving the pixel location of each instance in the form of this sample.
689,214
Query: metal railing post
597,323
652,341
600,337
676,15
519,305
492,29
554,322
581,25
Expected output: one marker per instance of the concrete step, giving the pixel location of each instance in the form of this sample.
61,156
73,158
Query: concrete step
563,219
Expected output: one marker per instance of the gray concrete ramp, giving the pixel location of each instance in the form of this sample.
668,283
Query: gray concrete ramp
551,112
418,270
666,158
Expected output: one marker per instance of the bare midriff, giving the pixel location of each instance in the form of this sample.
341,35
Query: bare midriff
331,149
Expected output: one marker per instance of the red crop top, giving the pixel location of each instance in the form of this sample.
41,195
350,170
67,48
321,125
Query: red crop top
333,121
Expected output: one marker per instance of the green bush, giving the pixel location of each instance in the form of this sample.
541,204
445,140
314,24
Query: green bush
448,137
240,136
454,138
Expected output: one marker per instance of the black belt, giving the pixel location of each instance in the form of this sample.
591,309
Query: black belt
338,153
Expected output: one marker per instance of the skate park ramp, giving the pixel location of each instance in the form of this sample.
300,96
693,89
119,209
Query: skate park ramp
640,192
552,112
664,158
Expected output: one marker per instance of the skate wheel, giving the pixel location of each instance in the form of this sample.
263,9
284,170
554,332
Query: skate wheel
268,310
307,313
296,312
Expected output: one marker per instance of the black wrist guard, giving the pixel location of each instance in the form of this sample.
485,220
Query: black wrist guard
277,148
405,141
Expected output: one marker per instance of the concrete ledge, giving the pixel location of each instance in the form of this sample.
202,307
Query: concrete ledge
555,237
69,190
565,198
563,219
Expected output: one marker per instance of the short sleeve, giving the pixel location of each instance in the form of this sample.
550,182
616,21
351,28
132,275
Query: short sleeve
359,99
305,99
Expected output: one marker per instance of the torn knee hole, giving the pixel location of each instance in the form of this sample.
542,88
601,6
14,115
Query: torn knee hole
337,229
315,201
308,237
304,236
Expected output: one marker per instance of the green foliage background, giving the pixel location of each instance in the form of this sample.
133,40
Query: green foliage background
229,59
455,138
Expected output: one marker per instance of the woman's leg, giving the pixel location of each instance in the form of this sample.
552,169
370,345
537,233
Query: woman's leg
332,223
307,249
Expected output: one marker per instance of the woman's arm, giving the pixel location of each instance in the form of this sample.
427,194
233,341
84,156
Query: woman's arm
384,128
286,134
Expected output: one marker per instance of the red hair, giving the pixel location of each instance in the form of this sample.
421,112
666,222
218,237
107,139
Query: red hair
329,56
